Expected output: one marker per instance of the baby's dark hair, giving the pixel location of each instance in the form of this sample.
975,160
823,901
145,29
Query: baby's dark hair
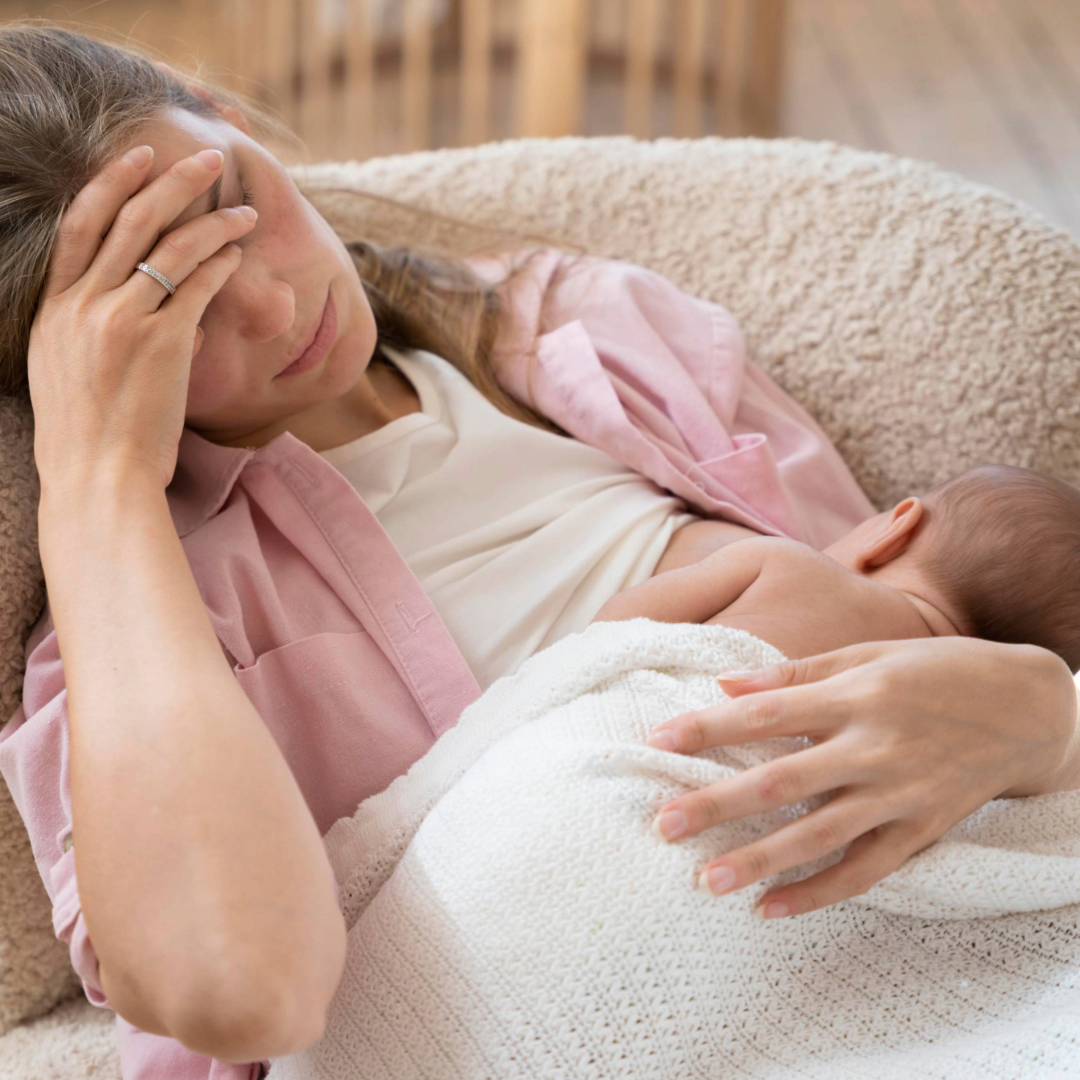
1003,545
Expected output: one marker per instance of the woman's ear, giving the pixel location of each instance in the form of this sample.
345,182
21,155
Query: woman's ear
227,112
893,538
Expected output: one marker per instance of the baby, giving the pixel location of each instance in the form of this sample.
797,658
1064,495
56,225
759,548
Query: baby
992,553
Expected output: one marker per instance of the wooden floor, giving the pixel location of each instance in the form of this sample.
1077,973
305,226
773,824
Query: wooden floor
989,89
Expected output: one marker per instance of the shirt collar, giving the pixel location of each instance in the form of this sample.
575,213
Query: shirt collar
205,474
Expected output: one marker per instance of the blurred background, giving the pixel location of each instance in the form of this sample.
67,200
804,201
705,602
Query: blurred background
986,88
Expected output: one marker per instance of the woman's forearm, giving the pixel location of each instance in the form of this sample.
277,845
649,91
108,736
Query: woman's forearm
205,886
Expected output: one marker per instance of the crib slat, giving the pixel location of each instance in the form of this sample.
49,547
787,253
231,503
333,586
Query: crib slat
641,52
416,69
245,45
214,48
199,34
358,106
475,70
316,122
551,54
734,66
765,77
689,59
278,57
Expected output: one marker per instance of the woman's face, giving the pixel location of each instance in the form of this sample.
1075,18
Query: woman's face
269,307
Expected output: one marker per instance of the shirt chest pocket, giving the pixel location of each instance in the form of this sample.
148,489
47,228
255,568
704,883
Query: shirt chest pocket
319,668
341,715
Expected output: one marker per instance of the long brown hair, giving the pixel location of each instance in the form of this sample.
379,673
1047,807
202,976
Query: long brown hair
70,102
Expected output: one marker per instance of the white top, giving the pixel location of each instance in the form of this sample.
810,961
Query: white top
517,535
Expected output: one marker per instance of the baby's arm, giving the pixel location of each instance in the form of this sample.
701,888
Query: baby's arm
692,593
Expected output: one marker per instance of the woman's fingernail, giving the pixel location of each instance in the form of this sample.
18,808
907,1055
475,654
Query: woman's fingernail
663,740
774,910
737,676
139,156
718,880
212,159
670,826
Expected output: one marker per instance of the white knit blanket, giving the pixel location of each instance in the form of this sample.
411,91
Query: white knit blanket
511,916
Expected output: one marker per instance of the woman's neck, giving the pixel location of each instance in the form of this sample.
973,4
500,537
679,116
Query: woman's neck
380,395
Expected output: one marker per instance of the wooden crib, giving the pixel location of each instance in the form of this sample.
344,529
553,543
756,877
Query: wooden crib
455,57
359,78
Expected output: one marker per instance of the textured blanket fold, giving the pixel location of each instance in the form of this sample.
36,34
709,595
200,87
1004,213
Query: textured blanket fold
510,914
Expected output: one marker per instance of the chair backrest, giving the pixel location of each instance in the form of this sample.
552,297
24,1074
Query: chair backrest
929,325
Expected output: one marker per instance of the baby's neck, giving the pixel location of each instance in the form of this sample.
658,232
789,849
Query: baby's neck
939,624
930,606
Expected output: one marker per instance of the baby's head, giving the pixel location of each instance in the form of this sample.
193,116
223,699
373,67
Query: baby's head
995,549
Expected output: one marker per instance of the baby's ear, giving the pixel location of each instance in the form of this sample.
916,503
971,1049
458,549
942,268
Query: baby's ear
894,537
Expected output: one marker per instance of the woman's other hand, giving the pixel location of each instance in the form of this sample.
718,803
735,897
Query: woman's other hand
910,737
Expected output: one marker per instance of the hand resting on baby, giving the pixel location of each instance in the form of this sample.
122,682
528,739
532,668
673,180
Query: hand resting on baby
992,553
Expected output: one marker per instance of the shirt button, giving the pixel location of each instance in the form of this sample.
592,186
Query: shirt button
68,842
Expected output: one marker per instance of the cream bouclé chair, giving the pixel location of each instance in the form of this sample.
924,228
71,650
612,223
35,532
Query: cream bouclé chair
928,323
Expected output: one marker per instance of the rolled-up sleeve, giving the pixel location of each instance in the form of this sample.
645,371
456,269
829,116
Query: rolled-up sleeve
70,927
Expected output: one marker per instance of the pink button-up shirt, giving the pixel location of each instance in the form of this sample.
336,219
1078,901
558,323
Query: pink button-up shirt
328,631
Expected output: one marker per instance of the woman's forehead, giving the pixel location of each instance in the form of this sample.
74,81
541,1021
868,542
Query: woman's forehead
175,137
177,133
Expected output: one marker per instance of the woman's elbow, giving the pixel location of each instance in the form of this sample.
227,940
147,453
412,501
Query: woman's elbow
267,1023
270,1014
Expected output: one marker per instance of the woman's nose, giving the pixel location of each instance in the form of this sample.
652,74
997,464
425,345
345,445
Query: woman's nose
263,310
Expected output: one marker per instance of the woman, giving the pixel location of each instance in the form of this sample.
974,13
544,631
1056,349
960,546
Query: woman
212,574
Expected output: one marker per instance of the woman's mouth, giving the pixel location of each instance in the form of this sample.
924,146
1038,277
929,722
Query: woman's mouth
320,345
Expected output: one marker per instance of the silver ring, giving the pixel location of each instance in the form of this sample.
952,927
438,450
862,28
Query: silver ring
157,276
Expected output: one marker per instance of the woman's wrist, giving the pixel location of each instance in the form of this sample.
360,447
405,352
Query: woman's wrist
1055,690
1068,776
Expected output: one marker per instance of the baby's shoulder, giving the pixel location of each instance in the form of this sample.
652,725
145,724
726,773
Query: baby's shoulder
783,563
787,562
781,551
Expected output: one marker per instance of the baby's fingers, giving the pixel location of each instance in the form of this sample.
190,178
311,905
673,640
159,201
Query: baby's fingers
90,216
